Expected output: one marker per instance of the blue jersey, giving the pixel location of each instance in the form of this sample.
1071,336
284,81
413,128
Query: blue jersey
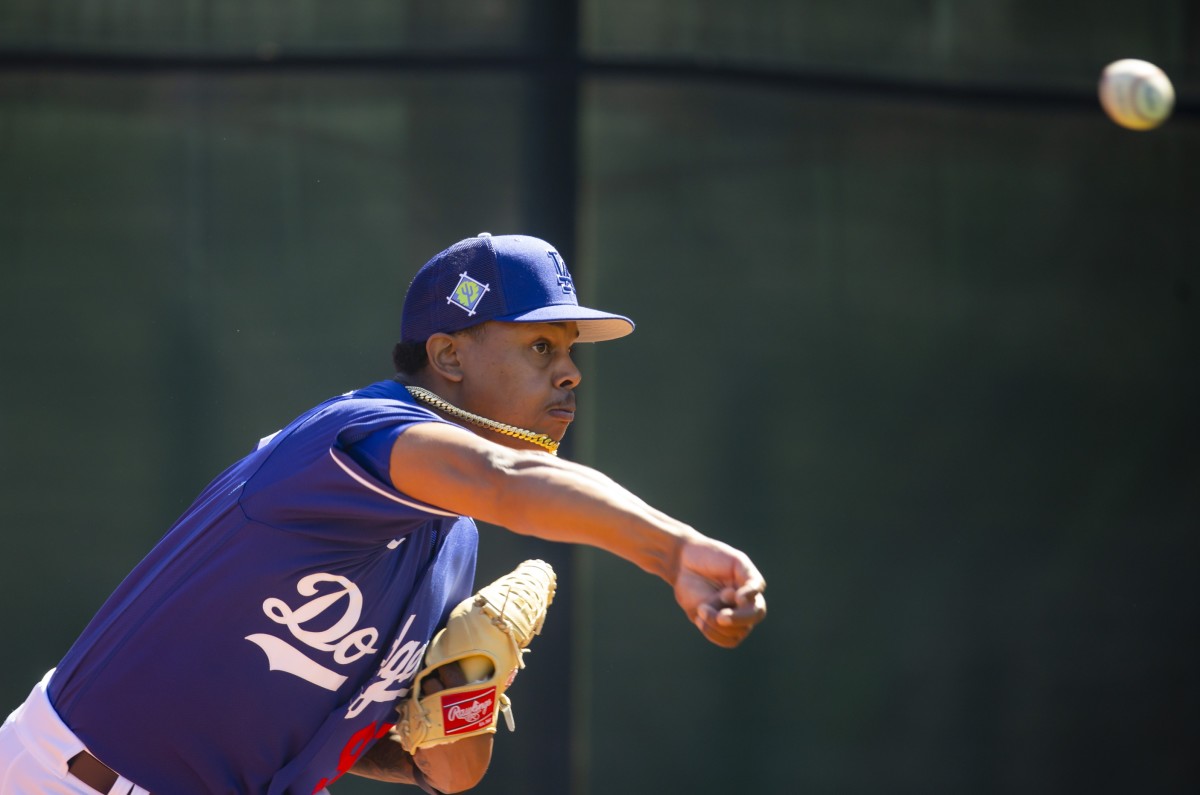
261,645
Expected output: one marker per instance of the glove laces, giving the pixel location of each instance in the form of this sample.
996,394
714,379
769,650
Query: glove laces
517,603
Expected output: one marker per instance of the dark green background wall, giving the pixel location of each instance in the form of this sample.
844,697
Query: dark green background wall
917,329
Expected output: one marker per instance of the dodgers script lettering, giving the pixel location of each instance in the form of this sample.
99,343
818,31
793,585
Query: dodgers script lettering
341,641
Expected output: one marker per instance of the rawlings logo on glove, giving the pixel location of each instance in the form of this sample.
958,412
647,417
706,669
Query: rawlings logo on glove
474,659
468,712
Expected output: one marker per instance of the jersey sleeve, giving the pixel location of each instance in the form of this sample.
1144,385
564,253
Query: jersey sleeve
374,452
329,471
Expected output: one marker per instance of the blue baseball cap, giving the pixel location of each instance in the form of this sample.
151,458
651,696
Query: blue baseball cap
511,278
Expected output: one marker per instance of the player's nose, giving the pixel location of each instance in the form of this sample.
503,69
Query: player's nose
567,375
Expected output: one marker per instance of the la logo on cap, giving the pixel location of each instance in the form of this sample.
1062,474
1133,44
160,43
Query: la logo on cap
467,293
564,276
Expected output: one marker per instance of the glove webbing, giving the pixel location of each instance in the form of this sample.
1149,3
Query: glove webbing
503,625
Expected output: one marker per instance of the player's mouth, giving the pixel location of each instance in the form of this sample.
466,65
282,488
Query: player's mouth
564,411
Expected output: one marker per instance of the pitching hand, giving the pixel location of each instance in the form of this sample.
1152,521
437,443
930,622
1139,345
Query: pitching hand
720,590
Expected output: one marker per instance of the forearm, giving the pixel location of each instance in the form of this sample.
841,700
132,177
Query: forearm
718,587
386,761
535,494
562,501
448,768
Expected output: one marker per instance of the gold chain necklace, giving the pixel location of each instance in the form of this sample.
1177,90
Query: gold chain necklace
540,439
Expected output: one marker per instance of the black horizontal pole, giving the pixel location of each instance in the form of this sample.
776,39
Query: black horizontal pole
1026,97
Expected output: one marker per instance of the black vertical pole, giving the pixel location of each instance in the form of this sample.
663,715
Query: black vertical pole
550,204
549,207
552,124
548,210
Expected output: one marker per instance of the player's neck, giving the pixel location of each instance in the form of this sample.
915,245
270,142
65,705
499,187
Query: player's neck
511,435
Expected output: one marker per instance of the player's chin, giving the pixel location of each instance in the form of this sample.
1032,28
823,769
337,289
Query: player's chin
556,429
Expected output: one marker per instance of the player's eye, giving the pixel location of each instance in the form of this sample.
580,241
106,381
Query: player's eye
541,347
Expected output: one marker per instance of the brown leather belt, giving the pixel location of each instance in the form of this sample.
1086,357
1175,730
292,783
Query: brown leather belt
92,771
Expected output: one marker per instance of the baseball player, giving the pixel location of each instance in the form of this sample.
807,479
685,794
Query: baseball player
311,614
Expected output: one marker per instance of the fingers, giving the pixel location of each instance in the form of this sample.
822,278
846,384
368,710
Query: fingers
744,611
452,675
728,625
742,595
744,605
721,590
723,565
752,585
724,637
447,676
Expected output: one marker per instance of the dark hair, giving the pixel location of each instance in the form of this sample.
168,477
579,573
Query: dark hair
410,358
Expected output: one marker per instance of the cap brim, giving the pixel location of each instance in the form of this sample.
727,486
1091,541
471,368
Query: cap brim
594,325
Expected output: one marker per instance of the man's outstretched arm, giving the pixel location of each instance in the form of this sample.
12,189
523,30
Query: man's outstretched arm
536,494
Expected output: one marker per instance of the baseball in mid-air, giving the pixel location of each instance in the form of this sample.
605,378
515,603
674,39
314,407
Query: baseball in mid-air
1136,94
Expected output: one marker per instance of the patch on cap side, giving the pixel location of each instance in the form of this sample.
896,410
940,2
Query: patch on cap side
467,293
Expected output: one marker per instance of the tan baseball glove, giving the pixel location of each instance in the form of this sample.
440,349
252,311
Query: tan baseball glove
487,636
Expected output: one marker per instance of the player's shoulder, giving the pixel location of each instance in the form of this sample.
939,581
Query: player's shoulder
389,389
382,396
360,412
354,415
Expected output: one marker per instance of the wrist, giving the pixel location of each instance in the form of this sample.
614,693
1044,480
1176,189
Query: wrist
678,540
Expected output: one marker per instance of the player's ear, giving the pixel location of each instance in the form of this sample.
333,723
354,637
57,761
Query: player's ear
443,356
